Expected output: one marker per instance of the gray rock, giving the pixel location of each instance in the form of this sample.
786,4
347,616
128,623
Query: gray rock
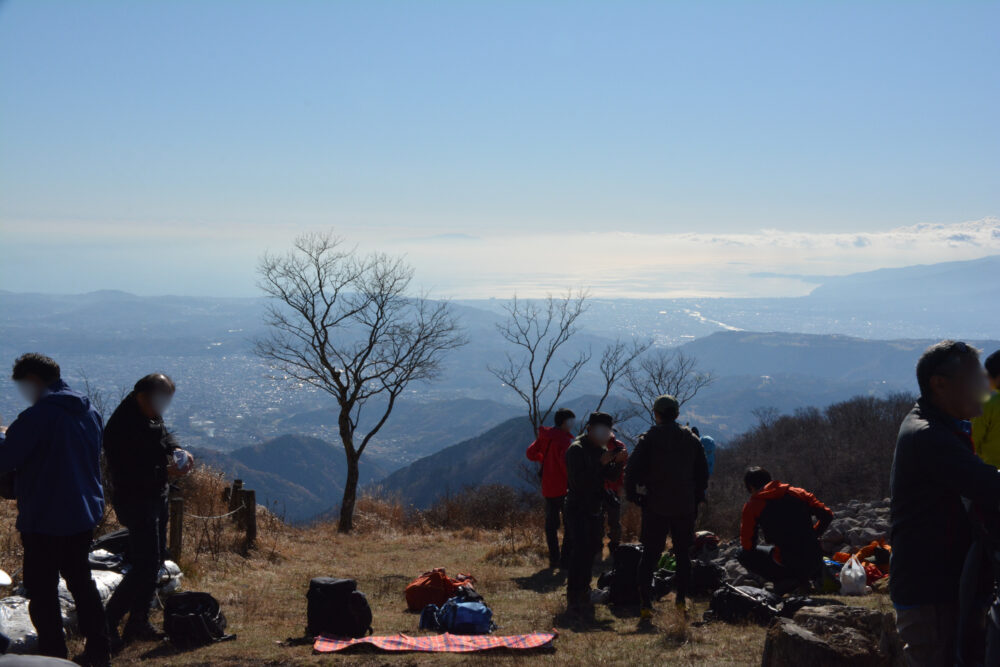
834,636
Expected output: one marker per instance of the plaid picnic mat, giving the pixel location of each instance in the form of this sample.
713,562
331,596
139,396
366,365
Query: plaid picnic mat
443,643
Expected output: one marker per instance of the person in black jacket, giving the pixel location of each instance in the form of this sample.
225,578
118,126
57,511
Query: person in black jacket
588,464
139,452
666,476
933,468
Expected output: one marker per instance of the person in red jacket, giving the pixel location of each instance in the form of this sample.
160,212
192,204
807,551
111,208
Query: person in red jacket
792,521
613,498
549,449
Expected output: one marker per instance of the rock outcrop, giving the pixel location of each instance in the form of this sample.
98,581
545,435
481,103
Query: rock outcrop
856,524
832,636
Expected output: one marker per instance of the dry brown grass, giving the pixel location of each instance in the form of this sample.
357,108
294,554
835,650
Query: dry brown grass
263,594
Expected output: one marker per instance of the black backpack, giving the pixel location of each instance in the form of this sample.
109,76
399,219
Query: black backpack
193,619
625,578
742,604
337,608
706,577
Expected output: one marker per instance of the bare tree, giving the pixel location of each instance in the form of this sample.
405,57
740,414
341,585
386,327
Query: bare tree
617,363
666,372
103,402
539,329
346,323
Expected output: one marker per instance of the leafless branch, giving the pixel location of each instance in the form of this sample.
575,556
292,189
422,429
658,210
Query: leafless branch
665,372
538,329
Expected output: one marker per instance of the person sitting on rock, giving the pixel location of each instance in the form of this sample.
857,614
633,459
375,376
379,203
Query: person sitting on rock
792,521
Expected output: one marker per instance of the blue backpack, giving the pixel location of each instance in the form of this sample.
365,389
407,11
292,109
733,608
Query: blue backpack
458,617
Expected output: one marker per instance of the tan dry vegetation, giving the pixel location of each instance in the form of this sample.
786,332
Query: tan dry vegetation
262,593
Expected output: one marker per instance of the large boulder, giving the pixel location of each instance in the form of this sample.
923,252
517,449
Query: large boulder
833,636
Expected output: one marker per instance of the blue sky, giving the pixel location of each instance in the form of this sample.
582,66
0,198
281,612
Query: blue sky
203,133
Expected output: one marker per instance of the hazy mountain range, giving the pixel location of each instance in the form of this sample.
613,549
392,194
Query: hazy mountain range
858,334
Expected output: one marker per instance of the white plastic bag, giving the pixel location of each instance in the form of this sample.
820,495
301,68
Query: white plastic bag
853,578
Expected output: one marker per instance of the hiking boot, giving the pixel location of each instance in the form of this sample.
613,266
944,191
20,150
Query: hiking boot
578,603
141,633
115,641
93,659
784,587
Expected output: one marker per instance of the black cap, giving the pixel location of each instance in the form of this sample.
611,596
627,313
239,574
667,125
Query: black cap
600,419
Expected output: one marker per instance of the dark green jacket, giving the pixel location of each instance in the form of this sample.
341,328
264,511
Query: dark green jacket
670,462
586,476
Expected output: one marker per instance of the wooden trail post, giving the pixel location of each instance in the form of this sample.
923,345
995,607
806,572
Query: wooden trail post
176,527
249,498
234,494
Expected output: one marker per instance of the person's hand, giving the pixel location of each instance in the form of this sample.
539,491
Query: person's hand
607,457
621,456
181,463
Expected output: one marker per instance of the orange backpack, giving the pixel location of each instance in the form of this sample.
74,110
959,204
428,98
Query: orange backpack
434,587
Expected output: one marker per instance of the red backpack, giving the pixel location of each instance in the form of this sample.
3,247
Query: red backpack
434,587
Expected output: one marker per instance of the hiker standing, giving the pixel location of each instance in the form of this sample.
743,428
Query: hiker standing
588,465
792,521
549,449
708,444
139,451
986,427
933,468
666,476
613,498
54,449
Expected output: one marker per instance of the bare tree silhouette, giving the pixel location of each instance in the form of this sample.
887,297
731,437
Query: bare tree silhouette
665,372
347,324
540,328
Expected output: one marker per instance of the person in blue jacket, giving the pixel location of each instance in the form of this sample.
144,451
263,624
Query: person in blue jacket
708,444
54,449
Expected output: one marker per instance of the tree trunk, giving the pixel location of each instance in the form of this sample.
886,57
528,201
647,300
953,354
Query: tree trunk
350,493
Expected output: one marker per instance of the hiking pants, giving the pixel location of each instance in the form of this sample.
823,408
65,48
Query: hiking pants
554,509
45,558
760,561
146,523
613,510
653,535
928,633
582,529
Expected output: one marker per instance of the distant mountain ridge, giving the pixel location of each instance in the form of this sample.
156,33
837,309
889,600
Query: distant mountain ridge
297,476
969,279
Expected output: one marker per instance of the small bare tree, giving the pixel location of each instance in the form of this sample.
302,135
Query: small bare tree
665,372
539,329
346,323
102,401
618,363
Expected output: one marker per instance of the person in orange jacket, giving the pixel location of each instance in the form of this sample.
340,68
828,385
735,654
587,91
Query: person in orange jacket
792,521
549,449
